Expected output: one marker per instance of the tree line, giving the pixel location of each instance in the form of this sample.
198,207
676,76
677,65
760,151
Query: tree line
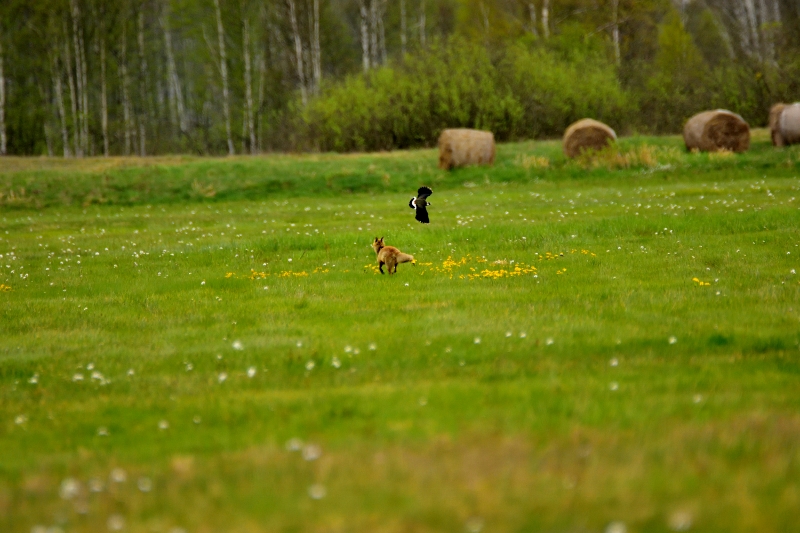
141,77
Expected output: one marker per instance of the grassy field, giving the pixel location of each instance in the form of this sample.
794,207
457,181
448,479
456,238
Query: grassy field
204,345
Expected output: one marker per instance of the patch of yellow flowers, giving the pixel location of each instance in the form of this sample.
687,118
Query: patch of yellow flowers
254,274
4,287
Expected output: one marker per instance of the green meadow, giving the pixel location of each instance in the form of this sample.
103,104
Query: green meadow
192,345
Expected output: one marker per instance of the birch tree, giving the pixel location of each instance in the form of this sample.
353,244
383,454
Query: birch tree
365,55
103,95
316,52
126,98
248,84
223,72
62,114
80,75
3,139
422,24
546,19
143,99
73,101
174,92
403,36
298,51
615,30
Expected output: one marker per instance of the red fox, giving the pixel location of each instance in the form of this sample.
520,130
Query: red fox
389,256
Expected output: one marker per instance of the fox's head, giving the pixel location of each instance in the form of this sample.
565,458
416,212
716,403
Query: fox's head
377,244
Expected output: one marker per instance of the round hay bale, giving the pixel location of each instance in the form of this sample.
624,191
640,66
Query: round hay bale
461,147
712,131
774,115
789,124
587,134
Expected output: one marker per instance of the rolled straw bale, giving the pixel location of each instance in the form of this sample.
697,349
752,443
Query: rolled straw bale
789,124
461,147
774,115
712,131
587,134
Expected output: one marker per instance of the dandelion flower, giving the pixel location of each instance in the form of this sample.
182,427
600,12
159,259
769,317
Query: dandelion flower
311,452
317,491
237,345
251,372
673,339
222,377
477,340
118,475
116,522
145,484
310,365
163,425
294,444
616,527
69,488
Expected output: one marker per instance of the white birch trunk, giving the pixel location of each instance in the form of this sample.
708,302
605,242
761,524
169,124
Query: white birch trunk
87,148
403,36
223,70
61,108
262,74
365,63
532,12
422,23
248,86
143,96
615,30
298,51
103,94
126,100
546,19
173,82
485,15
752,26
3,138
80,75
316,52
766,29
373,33
76,130
740,14
382,30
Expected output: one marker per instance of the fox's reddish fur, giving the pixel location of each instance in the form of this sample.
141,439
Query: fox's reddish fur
389,256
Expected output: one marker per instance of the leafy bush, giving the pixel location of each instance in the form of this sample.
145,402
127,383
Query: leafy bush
531,92
452,84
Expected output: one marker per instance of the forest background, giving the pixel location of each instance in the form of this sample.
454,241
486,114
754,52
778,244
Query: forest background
145,77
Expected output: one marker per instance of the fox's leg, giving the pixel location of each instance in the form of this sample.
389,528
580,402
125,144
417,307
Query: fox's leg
380,266
392,265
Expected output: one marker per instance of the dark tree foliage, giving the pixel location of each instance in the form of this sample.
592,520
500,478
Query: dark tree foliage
144,77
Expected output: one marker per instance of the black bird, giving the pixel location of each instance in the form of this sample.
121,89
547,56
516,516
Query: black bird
419,203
